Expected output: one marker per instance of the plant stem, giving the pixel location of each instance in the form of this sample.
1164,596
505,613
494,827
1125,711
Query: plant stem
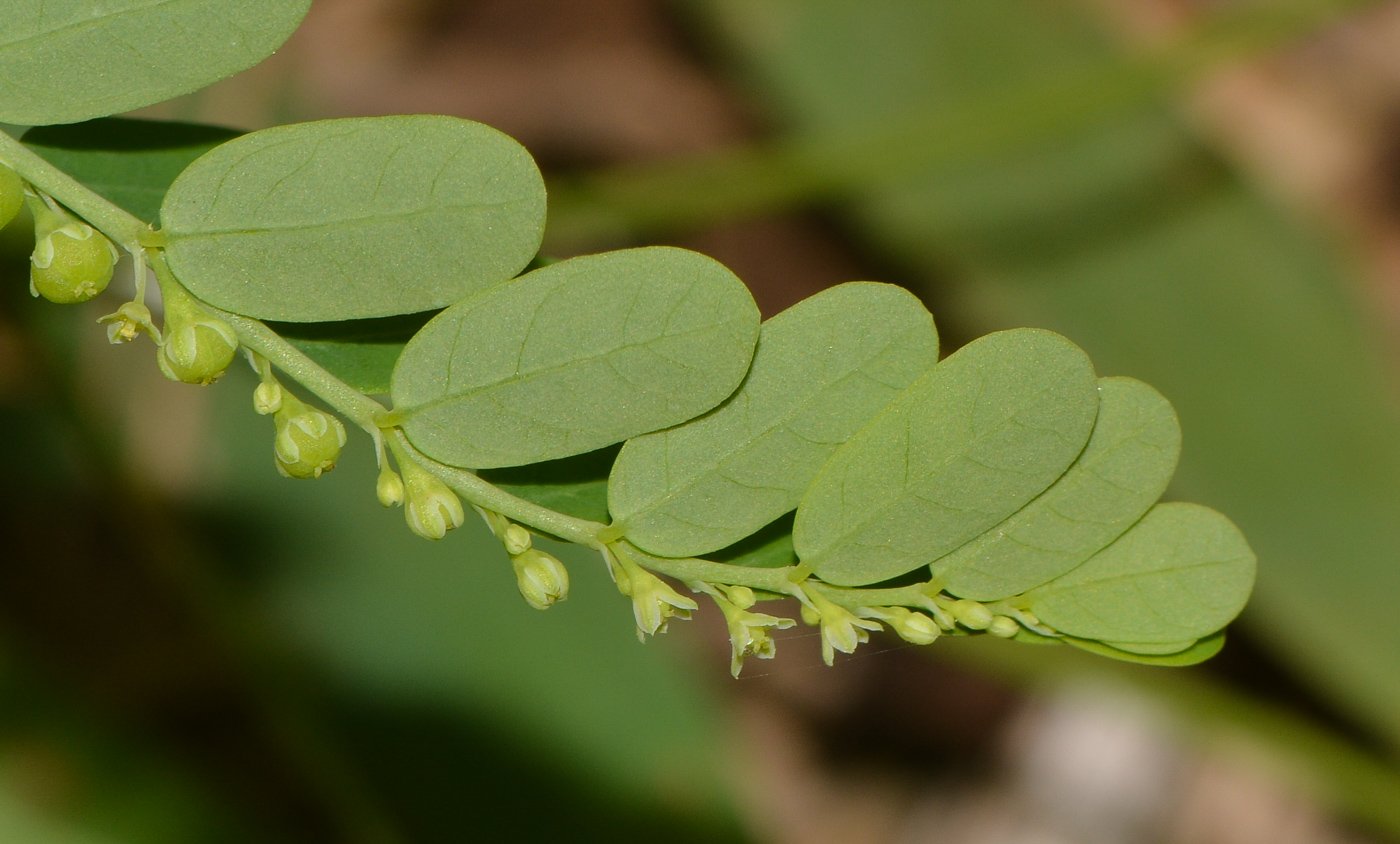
489,497
101,214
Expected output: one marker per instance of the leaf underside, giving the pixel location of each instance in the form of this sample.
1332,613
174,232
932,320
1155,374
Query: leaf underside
354,218
1181,573
957,452
821,370
575,356
1123,470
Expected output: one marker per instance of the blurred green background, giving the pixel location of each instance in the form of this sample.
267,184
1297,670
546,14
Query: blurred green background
1202,195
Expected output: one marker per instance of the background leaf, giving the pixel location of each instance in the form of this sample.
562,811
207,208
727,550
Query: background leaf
360,352
62,61
1121,473
1130,234
575,356
130,162
822,369
1181,573
962,448
575,485
354,218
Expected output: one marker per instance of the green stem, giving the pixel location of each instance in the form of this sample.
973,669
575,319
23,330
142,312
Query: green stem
101,214
256,336
490,497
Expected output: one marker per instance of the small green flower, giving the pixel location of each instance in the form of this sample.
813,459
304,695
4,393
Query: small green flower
71,263
542,579
308,440
430,507
129,320
11,195
749,634
842,630
654,603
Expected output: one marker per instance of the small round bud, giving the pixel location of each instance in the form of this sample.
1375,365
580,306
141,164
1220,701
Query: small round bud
810,616
913,627
267,398
308,441
740,596
71,264
197,351
430,507
1003,627
389,488
11,195
973,615
542,579
516,539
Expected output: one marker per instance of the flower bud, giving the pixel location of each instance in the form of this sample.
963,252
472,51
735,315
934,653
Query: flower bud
389,488
740,596
516,539
542,579
71,264
1004,627
973,615
430,507
196,351
308,440
267,398
11,195
913,627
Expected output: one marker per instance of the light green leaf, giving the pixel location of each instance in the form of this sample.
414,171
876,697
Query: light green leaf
960,450
575,356
354,218
1192,654
1124,469
130,162
822,369
1181,573
62,61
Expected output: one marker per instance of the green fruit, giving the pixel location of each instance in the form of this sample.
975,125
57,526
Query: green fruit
197,352
308,440
71,264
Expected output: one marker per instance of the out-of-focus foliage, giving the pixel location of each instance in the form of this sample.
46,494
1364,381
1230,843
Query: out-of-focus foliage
1125,233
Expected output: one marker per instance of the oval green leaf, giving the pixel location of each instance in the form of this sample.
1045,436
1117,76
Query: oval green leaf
1124,469
960,450
354,218
62,61
1181,573
822,369
575,356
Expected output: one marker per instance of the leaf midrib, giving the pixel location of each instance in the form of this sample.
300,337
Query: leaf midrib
407,413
